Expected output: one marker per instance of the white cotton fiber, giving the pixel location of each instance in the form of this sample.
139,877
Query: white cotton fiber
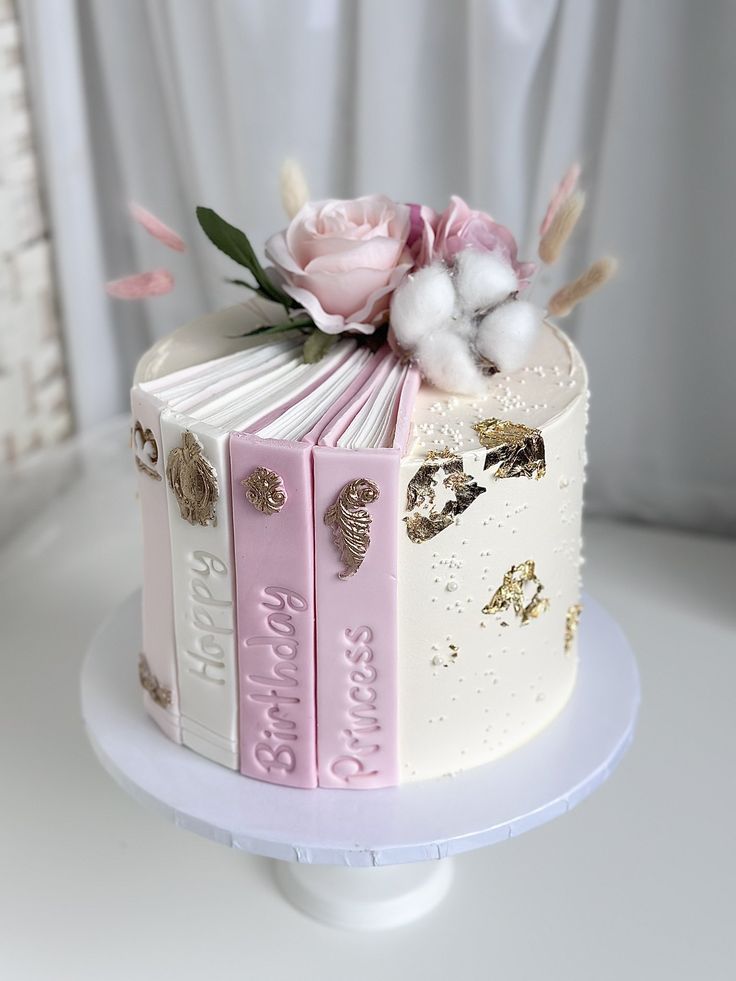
507,336
482,279
445,359
423,303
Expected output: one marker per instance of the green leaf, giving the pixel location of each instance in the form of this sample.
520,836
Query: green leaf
317,345
297,324
236,245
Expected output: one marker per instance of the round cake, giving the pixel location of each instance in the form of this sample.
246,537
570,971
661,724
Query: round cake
353,579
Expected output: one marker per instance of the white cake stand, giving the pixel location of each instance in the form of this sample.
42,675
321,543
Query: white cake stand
363,859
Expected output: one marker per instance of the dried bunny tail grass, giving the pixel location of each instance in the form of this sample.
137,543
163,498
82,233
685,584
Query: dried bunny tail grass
155,227
567,298
561,227
294,189
156,282
560,194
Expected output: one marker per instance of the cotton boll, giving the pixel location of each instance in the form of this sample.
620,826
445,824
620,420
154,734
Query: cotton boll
424,302
446,361
507,335
482,279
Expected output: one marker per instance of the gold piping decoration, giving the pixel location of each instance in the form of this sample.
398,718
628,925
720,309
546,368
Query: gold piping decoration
518,449
264,489
160,695
521,591
351,522
146,450
193,480
421,493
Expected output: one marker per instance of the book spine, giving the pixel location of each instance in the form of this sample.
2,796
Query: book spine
273,535
157,662
355,508
198,494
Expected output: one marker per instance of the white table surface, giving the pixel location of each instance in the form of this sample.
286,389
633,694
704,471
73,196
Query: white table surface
638,882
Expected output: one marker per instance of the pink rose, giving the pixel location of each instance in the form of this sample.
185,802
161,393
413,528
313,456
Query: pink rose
342,260
458,228
421,234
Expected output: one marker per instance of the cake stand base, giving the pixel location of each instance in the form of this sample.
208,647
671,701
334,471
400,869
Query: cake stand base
365,898
360,859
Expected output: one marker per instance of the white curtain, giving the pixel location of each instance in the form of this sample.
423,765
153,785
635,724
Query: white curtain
181,102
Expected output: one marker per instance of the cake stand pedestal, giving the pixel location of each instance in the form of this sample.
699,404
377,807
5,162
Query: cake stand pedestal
361,859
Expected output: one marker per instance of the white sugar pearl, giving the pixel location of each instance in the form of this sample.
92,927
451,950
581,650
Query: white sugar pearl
423,303
445,360
507,335
482,279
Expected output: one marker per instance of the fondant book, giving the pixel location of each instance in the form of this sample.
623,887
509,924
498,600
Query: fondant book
356,498
273,536
196,448
187,387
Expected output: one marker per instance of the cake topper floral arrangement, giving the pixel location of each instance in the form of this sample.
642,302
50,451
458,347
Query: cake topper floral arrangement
447,289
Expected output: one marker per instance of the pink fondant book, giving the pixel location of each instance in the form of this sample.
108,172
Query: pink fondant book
273,532
356,478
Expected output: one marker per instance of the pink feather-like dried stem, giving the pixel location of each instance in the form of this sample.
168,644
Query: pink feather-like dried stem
561,193
155,227
156,282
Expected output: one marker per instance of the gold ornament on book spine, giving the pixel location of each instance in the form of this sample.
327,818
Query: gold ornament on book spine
193,480
517,448
160,695
264,489
521,591
350,523
572,619
146,451
422,489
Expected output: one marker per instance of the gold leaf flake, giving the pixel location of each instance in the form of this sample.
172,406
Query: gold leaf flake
350,523
149,681
264,489
146,451
520,591
193,480
572,619
421,493
517,448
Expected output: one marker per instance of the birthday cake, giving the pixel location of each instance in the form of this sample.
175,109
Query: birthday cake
361,497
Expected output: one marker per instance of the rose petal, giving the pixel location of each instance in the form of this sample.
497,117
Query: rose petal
154,226
157,282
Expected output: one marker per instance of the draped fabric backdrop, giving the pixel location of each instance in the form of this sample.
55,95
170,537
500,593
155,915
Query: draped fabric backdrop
173,103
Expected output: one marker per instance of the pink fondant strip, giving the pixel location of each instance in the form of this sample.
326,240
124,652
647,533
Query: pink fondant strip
274,562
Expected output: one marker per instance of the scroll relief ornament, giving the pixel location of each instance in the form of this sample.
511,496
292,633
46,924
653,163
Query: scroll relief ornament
350,523
160,695
425,520
146,451
518,450
193,480
264,489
